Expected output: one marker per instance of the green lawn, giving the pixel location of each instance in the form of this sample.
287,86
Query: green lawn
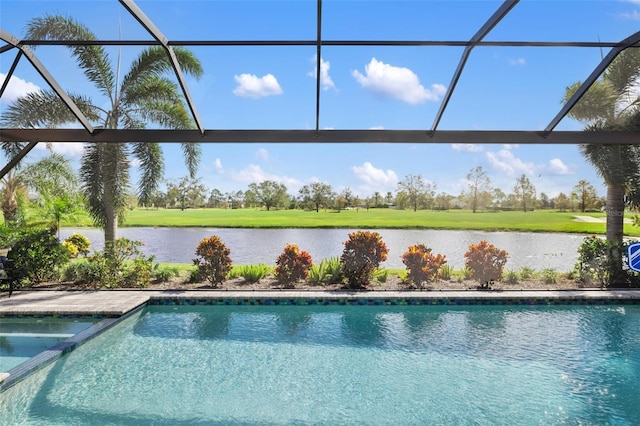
537,221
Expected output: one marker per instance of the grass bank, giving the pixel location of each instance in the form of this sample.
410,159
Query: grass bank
536,221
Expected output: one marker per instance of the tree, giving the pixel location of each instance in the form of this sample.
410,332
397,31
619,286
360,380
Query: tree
525,192
613,103
414,187
216,198
479,183
316,194
269,193
388,199
51,178
141,95
587,195
562,202
376,199
499,197
347,196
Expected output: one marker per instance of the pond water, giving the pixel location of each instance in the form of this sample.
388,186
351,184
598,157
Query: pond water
251,246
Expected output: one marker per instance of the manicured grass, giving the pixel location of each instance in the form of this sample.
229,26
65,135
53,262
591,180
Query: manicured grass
536,221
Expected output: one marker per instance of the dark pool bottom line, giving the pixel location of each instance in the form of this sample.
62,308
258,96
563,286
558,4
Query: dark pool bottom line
22,371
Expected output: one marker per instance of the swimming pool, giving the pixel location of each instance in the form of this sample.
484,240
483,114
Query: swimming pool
23,338
345,364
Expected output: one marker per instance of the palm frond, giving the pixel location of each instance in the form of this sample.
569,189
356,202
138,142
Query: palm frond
597,104
51,176
167,114
191,153
151,169
104,174
151,88
92,183
614,163
44,109
93,60
624,71
155,61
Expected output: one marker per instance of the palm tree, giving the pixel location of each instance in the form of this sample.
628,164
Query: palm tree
49,178
613,103
143,95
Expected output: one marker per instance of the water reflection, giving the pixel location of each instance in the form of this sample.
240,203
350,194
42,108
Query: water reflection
250,246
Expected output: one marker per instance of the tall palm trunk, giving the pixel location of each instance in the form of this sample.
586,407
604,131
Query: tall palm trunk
111,217
615,230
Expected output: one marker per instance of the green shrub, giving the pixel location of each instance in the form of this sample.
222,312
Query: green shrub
292,265
80,242
333,268
380,275
82,271
362,254
121,264
549,275
317,273
467,274
164,273
422,265
593,260
194,275
486,262
213,260
446,272
527,273
251,273
510,277
37,256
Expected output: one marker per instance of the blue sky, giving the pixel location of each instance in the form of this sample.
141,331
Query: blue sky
363,87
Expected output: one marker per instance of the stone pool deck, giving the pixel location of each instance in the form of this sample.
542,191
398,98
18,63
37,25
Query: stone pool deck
119,302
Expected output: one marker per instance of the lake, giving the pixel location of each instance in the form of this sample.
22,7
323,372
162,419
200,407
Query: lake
251,246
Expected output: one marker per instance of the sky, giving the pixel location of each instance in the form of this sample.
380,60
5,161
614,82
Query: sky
502,88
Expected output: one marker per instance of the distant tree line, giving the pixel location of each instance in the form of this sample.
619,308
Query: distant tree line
413,193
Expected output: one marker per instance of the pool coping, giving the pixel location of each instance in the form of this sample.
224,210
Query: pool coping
117,305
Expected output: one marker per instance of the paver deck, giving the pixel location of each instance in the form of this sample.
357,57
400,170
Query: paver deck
116,303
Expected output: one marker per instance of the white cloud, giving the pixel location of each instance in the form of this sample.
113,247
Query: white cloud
396,82
325,79
631,16
376,128
17,87
252,86
508,163
517,61
509,147
73,149
262,154
254,174
466,147
218,166
557,167
373,176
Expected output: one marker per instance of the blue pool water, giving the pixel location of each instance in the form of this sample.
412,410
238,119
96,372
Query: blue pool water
417,365
23,338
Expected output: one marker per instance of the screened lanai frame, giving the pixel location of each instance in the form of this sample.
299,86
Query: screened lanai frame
430,134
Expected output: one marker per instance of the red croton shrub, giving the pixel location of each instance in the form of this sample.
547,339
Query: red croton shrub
363,252
292,265
422,265
486,262
213,261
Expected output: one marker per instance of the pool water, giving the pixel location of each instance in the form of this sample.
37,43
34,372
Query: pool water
23,338
343,365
